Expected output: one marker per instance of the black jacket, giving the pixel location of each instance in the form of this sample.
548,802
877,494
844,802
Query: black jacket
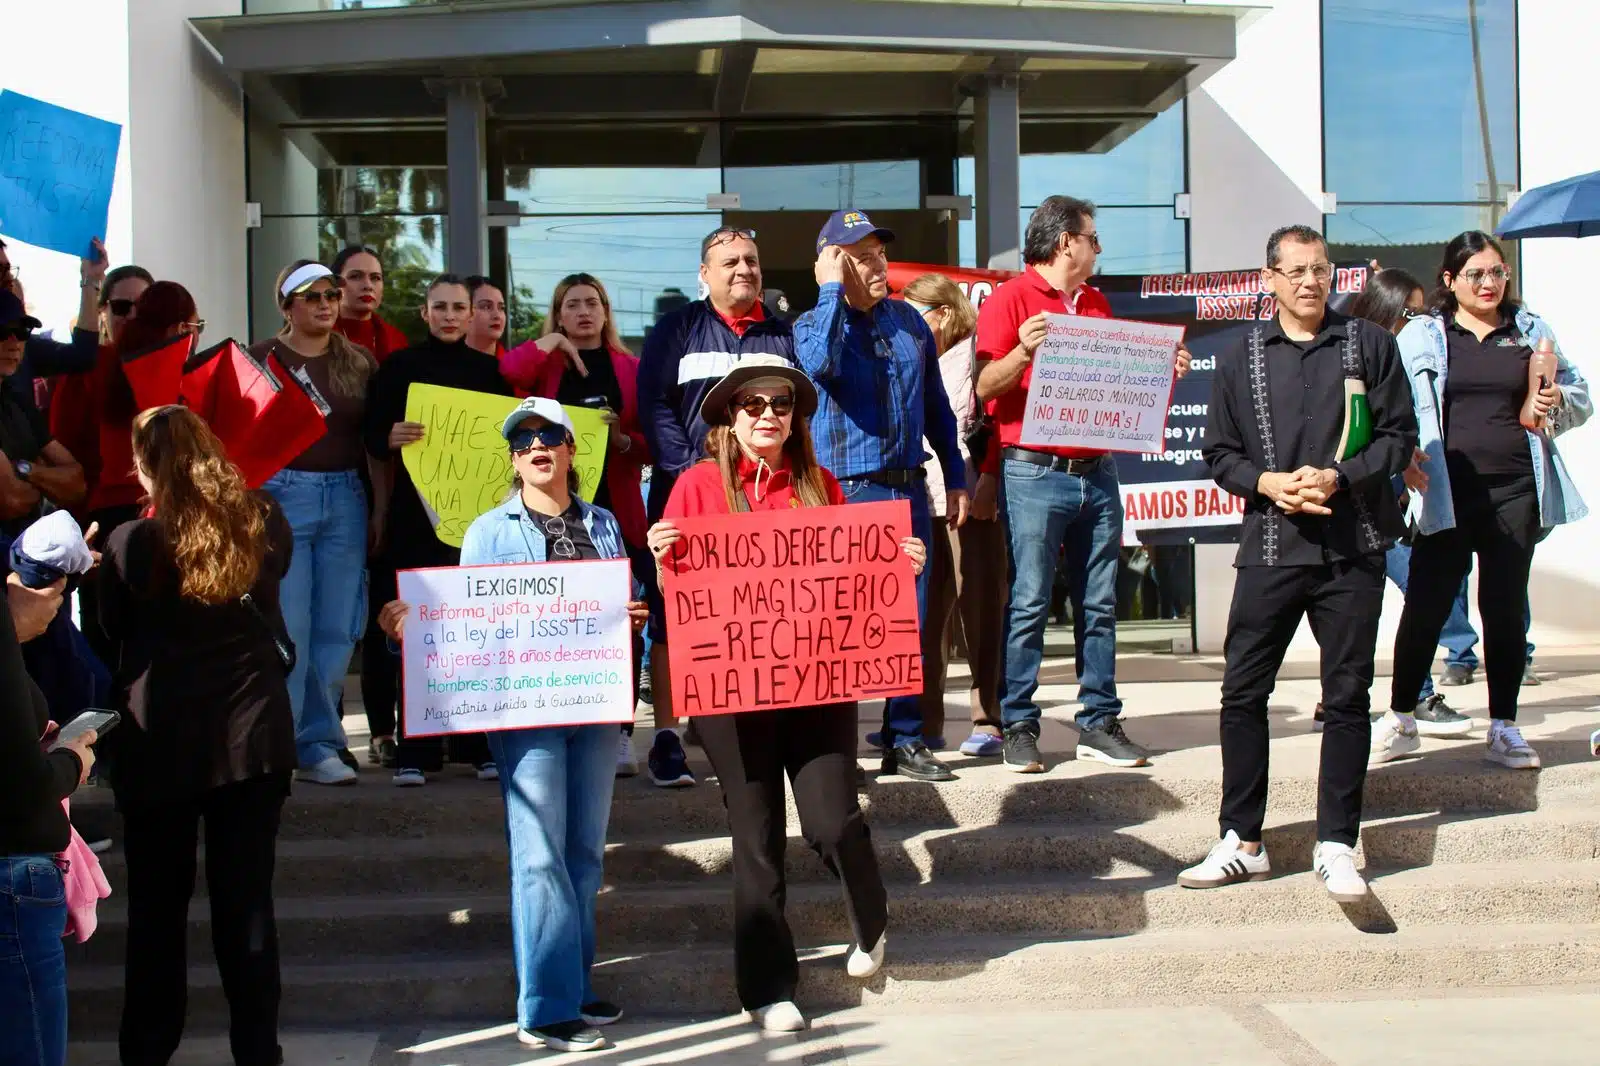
1277,405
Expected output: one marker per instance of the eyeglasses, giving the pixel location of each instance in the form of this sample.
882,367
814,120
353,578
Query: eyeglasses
324,296
726,236
1092,238
15,333
197,327
1498,275
555,531
1321,272
755,406
549,434
120,308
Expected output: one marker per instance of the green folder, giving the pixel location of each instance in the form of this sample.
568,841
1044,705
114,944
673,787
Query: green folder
1357,420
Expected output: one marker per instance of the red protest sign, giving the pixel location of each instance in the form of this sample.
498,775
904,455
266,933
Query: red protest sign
792,608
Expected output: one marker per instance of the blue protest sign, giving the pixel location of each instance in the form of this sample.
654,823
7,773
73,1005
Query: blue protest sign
56,168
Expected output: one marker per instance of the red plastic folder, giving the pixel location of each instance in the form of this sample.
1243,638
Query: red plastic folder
264,414
156,373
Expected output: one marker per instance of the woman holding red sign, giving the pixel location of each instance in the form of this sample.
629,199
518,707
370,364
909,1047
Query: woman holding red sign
761,459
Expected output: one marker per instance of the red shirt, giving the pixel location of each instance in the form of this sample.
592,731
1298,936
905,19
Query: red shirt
739,325
699,491
375,335
999,319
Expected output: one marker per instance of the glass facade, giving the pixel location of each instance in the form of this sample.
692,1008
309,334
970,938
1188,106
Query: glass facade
1419,124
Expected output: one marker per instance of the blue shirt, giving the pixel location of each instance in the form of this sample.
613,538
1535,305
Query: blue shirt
879,391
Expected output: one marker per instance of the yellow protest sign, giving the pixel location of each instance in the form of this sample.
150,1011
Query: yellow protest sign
462,468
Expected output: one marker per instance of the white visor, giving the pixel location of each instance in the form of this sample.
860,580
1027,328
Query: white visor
303,277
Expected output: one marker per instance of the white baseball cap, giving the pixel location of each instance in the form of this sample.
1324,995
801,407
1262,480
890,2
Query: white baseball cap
544,407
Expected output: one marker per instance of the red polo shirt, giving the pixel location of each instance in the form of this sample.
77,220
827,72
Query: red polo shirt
999,319
743,322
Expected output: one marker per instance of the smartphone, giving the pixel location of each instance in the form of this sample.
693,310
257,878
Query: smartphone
101,721
591,401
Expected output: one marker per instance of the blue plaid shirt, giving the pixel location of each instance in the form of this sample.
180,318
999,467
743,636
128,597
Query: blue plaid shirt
878,388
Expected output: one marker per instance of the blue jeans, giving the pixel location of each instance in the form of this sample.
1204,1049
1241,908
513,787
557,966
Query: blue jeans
33,962
902,715
1046,509
557,787
324,598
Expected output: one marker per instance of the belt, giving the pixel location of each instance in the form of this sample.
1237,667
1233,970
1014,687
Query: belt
892,479
1054,462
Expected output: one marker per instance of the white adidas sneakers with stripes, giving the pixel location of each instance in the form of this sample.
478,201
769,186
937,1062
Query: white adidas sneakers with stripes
1227,864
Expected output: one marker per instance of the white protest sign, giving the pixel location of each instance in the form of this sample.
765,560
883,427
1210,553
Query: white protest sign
518,646
1101,383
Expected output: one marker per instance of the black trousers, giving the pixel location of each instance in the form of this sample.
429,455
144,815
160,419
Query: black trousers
750,753
1500,523
380,668
241,822
1342,601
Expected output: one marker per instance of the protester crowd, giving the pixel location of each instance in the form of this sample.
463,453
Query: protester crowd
220,621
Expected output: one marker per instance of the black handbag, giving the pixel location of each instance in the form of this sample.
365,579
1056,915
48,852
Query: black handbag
285,646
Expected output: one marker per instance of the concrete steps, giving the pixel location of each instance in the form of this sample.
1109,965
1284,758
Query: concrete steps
1167,966
392,904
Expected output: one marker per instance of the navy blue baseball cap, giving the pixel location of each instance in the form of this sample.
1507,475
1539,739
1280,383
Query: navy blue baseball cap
848,227
12,313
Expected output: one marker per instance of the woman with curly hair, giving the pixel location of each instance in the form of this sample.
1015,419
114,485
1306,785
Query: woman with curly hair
189,599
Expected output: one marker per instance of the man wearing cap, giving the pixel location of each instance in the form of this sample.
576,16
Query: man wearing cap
1054,496
687,352
33,467
876,367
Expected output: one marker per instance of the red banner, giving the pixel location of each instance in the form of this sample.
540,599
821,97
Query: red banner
792,608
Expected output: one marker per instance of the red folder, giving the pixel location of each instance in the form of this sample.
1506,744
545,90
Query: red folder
264,415
156,372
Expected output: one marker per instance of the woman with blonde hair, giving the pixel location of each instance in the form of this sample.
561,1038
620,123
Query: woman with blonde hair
189,600
581,362
324,594
967,588
762,459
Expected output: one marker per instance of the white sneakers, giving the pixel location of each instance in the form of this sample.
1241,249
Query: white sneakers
330,771
1394,735
783,1017
1336,865
1227,864
627,761
863,964
1507,748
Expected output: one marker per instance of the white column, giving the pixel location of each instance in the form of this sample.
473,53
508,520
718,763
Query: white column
185,141
997,155
1255,163
1554,51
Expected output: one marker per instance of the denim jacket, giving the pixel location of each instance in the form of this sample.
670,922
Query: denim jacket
1425,351
505,534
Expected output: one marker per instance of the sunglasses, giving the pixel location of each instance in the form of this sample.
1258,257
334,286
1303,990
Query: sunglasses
549,434
755,406
120,308
15,333
325,296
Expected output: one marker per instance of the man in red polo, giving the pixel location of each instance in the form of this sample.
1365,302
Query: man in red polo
1054,495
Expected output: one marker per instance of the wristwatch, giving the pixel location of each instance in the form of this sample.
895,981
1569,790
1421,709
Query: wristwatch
1341,479
23,468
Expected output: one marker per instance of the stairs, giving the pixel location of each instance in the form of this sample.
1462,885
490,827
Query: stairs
392,904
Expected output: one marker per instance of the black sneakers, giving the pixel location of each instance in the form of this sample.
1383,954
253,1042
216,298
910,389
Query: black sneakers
601,1012
1436,719
1454,675
1109,744
576,1035
1021,753
915,761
